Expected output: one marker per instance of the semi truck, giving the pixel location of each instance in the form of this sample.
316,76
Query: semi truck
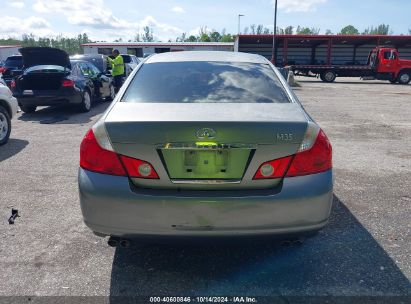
383,63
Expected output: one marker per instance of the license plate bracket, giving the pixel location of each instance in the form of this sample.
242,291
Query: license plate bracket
221,163
210,162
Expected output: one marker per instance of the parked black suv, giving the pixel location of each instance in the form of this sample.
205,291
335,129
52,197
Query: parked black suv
11,64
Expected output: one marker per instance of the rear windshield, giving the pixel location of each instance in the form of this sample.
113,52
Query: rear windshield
14,62
98,62
207,82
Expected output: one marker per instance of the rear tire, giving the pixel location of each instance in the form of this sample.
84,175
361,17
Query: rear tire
404,77
28,109
328,76
5,126
85,105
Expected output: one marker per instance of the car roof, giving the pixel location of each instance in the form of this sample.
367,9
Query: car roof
216,56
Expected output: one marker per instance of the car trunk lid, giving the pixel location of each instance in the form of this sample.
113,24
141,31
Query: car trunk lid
33,56
154,123
220,145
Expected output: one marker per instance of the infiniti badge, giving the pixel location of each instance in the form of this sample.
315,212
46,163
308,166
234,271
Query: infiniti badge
206,133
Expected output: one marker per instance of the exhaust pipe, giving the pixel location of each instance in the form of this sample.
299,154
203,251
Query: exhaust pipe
290,242
125,243
113,241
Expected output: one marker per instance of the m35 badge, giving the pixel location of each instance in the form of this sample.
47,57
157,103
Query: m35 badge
285,136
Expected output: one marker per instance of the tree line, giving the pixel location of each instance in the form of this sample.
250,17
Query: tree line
381,29
73,45
214,36
70,45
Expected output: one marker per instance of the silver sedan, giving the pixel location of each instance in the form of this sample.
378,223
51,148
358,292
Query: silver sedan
205,144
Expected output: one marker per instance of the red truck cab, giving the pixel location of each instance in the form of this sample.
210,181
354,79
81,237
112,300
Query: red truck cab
387,65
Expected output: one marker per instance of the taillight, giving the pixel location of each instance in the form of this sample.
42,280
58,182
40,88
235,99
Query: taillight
315,160
313,156
67,83
12,84
3,70
97,159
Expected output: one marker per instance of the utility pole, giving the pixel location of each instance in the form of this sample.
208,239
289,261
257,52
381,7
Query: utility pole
239,23
273,59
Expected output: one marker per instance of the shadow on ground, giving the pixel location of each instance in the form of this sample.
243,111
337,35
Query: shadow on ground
13,147
64,114
343,259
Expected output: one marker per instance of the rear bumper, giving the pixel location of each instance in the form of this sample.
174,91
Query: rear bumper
110,206
49,98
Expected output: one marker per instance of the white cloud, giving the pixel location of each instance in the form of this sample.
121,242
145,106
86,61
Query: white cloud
92,13
178,10
16,4
95,14
194,32
36,23
299,5
15,27
197,31
66,6
164,27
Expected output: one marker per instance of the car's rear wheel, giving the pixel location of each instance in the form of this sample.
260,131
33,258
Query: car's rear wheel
85,104
5,126
28,109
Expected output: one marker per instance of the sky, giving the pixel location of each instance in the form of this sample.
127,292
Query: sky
107,20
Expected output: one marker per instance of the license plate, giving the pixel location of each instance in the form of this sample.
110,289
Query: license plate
28,92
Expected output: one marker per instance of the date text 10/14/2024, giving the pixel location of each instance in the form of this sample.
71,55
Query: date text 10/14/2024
203,300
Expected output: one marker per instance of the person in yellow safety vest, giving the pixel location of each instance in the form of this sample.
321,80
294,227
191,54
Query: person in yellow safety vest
117,71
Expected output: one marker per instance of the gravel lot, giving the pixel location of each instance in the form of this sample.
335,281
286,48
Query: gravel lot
365,250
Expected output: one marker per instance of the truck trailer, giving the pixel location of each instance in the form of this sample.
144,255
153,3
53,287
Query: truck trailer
384,57
382,64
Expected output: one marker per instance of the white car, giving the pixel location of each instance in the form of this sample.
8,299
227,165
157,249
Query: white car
130,63
8,109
